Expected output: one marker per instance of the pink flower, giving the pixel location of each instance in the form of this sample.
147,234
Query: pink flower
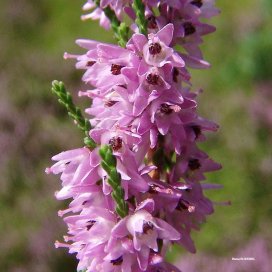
79,171
145,230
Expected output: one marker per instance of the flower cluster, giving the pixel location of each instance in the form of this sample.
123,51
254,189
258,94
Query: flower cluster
185,15
144,112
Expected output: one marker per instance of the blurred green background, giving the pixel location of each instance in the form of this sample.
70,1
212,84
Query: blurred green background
237,95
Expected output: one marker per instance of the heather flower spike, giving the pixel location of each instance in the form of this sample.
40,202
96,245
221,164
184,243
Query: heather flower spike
137,185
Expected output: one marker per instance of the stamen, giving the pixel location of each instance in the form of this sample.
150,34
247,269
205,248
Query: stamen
166,109
197,3
197,130
117,261
175,74
175,108
188,28
122,86
90,63
185,205
153,189
194,164
90,224
110,103
147,226
116,143
116,69
152,79
151,22
154,48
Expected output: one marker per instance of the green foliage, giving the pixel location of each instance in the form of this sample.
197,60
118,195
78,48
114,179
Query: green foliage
141,22
65,99
114,180
121,30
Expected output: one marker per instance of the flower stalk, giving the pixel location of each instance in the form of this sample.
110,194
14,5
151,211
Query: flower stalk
121,30
108,163
65,99
141,21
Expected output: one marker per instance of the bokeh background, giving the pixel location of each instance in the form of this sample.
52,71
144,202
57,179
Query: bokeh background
237,95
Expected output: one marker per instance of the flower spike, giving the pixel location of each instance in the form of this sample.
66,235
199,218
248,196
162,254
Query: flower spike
138,184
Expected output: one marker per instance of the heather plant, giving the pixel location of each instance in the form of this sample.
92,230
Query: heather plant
136,186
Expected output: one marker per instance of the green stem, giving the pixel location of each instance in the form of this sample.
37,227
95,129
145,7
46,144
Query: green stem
65,99
114,180
141,22
121,30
